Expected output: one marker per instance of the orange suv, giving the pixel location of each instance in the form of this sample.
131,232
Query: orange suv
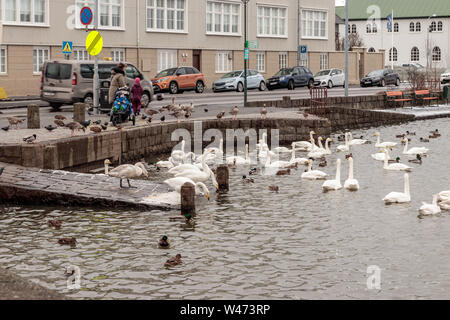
177,80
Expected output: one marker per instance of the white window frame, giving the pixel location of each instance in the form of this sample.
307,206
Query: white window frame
5,50
437,54
83,52
283,60
271,35
35,70
419,29
393,54
117,53
213,16
411,55
323,61
259,60
32,22
223,62
165,29
168,64
91,3
441,24
304,29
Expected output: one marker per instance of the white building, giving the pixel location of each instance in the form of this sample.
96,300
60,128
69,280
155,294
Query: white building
412,19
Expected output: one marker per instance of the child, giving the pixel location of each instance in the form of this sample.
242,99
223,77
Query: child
136,90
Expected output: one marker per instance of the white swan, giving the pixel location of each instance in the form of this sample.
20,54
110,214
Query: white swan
399,197
262,142
165,164
381,155
177,183
394,166
332,185
196,175
346,147
126,171
428,209
319,152
380,144
275,164
179,154
444,195
313,174
445,205
281,150
239,160
351,183
355,142
294,160
414,151
305,145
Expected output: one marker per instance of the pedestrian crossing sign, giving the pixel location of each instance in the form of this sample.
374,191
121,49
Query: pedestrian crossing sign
67,47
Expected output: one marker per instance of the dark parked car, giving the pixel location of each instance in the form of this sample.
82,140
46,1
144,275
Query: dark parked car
381,78
291,78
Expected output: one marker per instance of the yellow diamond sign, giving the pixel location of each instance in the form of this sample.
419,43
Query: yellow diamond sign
94,43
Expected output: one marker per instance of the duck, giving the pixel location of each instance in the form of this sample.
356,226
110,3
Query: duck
424,140
96,129
75,126
283,172
313,174
399,197
414,151
385,144
346,147
428,209
395,166
13,121
126,171
435,131
410,133
263,112
274,188
323,164
30,139
234,112
54,223
220,115
60,123
418,159
67,241
60,117
397,160
6,129
177,182
333,185
174,261
186,218
247,180
400,136
164,242
356,142
50,128
351,183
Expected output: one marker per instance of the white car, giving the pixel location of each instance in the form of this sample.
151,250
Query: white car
445,77
330,78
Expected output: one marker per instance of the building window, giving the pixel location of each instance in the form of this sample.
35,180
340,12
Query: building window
436,57
314,24
118,55
415,55
353,28
167,59
371,50
3,63
440,26
411,27
261,61
374,28
166,15
40,55
323,61
349,29
81,54
272,21
111,13
224,61
222,17
433,26
418,27
393,54
396,27
369,28
25,11
283,60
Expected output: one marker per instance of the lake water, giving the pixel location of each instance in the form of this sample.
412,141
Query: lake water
251,243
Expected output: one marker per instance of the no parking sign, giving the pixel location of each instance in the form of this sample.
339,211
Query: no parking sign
86,16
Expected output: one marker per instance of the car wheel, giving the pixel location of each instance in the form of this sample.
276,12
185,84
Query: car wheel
89,100
397,82
330,84
199,87
145,99
310,84
382,83
173,88
55,106
291,85
240,87
262,86
343,85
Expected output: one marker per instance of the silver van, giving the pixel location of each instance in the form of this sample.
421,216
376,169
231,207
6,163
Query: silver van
70,81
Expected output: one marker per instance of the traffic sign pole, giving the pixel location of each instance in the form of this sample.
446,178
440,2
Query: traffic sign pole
246,53
96,86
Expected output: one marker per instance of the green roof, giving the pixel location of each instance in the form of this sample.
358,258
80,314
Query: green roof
357,9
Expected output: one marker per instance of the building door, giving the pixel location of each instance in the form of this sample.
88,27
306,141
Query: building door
196,54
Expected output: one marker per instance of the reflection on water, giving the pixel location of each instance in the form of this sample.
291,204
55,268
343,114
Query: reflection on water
252,243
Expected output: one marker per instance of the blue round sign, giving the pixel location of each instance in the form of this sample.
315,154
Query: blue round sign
86,16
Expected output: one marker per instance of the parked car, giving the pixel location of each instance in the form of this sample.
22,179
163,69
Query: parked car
329,78
291,78
445,77
71,81
234,80
177,80
381,78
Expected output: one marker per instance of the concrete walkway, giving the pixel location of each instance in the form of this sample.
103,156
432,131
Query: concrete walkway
423,113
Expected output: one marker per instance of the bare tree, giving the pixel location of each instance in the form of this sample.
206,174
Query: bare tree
354,40
416,79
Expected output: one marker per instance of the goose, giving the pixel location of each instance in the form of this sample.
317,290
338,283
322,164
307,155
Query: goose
295,160
356,142
414,151
126,171
399,197
346,147
381,155
445,205
178,182
333,185
380,144
444,195
351,183
239,160
305,145
313,174
395,166
428,209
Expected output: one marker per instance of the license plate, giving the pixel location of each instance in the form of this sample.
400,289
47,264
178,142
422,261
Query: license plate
367,82
49,94
273,83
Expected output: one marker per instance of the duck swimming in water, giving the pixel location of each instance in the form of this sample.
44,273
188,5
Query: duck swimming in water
174,261
164,242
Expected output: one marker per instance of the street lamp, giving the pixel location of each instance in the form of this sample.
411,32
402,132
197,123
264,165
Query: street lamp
246,51
428,39
346,48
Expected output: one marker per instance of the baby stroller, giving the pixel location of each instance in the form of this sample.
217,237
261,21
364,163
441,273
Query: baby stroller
122,110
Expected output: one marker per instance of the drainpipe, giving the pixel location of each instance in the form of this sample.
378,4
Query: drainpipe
346,48
298,33
138,31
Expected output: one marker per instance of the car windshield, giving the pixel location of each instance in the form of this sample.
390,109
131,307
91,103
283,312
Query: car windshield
167,72
322,73
232,74
376,73
283,72
447,71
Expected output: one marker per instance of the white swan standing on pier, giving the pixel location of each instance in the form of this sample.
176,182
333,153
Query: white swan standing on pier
351,183
399,197
126,171
333,185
